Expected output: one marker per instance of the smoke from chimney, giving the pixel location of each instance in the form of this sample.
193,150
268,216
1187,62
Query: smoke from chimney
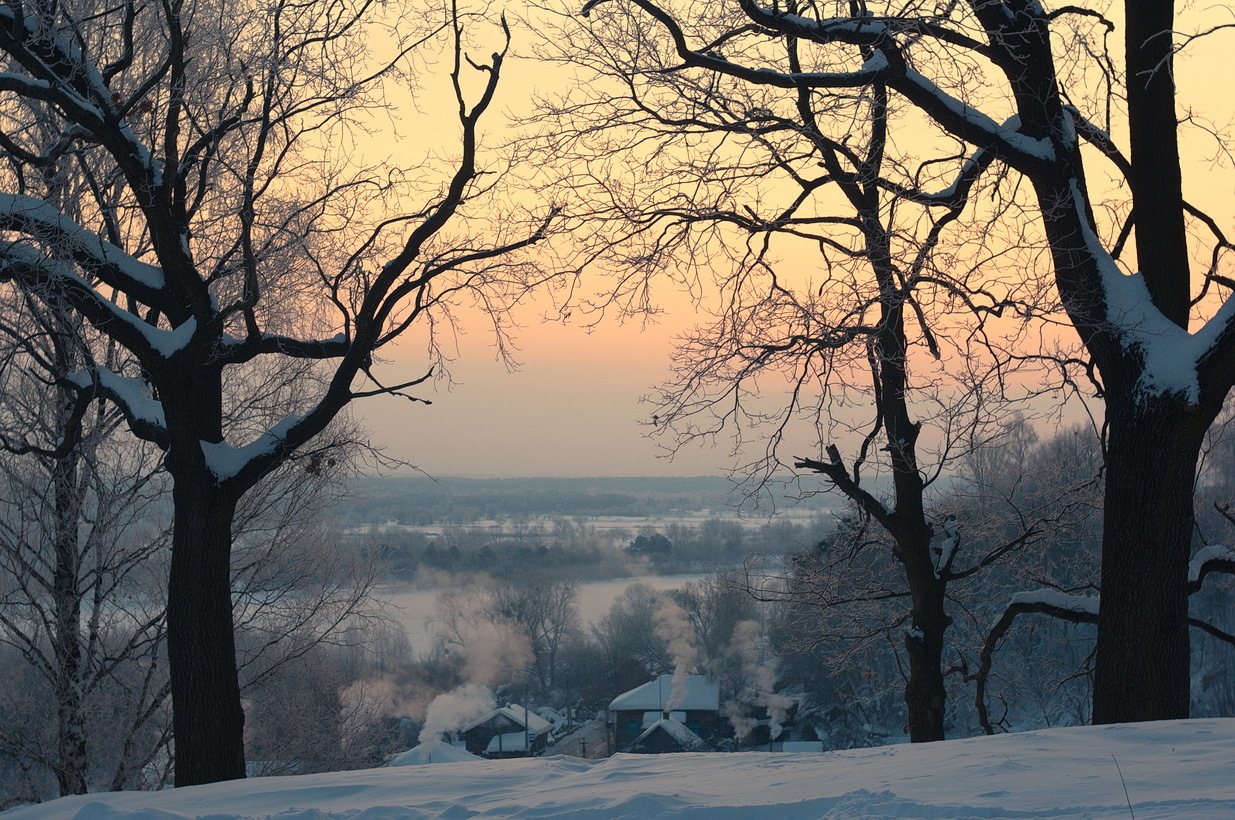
673,626
452,710
758,682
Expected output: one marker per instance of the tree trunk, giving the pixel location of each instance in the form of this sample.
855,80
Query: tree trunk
925,695
1142,662
208,721
1153,141
67,648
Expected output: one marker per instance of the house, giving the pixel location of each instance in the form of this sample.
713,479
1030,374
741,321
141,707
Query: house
668,734
696,707
511,731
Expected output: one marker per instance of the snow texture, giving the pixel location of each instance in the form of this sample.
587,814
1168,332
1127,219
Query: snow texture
164,342
1213,552
515,714
686,739
77,240
128,392
226,461
1084,604
1171,769
1007,132
167,343
1170,353
439,753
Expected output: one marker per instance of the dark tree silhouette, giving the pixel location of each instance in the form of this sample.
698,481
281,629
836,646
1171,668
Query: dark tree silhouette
993,75
225,242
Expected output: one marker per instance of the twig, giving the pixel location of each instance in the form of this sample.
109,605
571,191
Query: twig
1124,783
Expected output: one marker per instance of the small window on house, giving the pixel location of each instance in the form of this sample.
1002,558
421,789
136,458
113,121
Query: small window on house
632,728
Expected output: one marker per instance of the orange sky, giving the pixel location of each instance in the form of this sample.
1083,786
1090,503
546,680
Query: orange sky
573,407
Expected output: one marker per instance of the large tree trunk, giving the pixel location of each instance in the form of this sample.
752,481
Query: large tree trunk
208,721
925,694
1142,663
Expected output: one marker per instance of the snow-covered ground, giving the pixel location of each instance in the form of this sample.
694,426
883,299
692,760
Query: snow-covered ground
1178,769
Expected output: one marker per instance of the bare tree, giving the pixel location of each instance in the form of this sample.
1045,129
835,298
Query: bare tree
80,602
546,611
83,555
628,639
993,76
840,297
231,241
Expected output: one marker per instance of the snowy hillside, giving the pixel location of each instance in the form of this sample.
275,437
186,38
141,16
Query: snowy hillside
1180,769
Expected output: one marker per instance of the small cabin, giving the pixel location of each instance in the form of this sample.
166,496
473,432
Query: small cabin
694,703
511,731
668,735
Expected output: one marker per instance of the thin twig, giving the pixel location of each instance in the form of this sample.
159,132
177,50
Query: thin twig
1124,783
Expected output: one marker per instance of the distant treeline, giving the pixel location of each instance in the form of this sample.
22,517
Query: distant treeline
579,551
421,501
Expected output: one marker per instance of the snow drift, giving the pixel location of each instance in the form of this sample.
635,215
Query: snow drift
1172,769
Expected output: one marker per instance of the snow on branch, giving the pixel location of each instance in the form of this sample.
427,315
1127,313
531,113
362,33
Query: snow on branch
863,32
227,462
69,240
1077,609
67,77
22,261
1213,558
1170,354
144,414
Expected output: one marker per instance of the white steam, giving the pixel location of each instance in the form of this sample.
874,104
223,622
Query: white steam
673,626
493,652
758,681
452,710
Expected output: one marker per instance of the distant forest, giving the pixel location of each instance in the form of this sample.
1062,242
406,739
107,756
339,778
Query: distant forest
422,501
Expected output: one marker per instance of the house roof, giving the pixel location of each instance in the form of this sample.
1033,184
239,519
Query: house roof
685,738
439,753
515,713
702,695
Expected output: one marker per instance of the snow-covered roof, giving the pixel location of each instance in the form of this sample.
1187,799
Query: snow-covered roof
651,717
439,753
688,740
702,695
514,712
556,718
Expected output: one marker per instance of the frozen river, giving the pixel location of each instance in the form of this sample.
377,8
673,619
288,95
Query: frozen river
415,608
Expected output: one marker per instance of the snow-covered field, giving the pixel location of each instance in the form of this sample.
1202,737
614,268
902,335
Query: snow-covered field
1178,769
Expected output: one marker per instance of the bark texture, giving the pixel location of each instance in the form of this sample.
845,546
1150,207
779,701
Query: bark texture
1142,664
208,719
